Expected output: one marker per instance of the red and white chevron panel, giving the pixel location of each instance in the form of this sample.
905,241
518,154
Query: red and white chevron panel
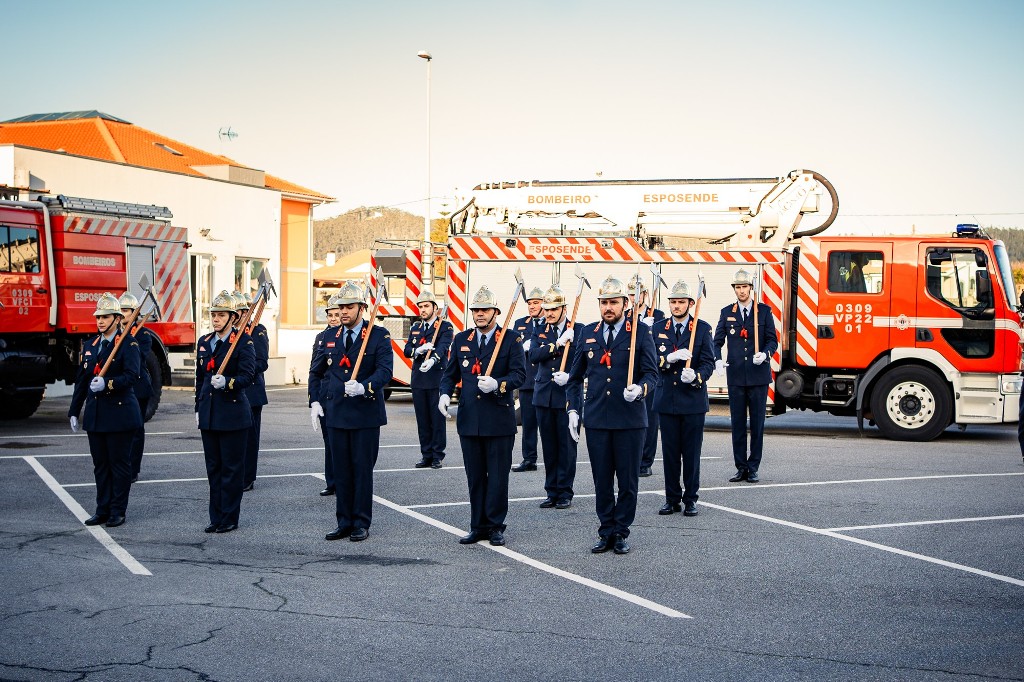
772,294
807,302
457,274
413,278
592,249
170,258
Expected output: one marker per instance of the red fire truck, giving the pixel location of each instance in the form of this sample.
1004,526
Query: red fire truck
911,333
57,256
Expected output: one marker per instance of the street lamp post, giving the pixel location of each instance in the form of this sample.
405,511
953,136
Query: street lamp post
423,54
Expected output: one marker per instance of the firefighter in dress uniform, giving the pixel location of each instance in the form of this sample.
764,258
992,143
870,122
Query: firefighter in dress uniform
683,398
256,392
112,412
143,386
223,415
426,378
614,413
333,312
487,414
550,401
525,328
650,316
353,409
748,374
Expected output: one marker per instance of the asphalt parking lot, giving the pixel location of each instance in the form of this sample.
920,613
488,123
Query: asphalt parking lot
854,558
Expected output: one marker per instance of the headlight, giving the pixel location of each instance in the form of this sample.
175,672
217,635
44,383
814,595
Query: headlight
1011,383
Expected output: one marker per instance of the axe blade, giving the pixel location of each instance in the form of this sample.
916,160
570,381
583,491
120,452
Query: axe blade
382,288
520,287
657,281
581,280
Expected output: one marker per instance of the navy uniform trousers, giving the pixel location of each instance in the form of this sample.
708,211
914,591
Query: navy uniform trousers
328,457
560,452
530,424
744,400
139,440
615,454
111,465
354,454
225,461
650,451
430,424
488,460
682,433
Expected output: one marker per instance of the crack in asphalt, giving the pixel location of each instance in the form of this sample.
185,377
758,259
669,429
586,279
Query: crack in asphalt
284,600
210,634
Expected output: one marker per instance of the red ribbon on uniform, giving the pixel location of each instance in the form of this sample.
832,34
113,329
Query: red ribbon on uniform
476,366
210,365
606,359
96,369
743,333
345,362
690,326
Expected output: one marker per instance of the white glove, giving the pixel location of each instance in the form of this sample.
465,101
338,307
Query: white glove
759,358
443,404
97,384
487,384
688,376
427,364
353,388
316,411
632,392
720,366
649,321
574,425
565,338
527,345
424,348
681,355
218,381
197,420
74,425
560,378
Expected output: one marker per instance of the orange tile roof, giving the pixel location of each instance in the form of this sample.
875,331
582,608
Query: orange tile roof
99,137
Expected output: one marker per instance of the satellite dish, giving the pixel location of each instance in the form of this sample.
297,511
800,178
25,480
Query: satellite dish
227,134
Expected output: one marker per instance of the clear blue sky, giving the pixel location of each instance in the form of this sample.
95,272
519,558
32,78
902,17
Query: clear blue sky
908,107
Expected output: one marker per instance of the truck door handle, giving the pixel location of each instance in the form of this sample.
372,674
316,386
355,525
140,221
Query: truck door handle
41,290
825,332
924,335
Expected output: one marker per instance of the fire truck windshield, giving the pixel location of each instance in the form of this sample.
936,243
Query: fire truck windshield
1006,273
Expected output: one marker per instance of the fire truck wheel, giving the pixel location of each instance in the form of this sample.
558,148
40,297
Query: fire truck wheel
22,406
156,385
911,403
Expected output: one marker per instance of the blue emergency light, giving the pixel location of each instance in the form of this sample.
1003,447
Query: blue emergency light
967,230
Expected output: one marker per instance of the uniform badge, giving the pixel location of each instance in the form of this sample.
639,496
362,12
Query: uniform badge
465,363
590,355
661,348
330,361
732,330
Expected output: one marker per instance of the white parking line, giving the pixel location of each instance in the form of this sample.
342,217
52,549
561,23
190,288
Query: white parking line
868,543
192,452
98,532
547,568
83,435
755,486
928,523
184,480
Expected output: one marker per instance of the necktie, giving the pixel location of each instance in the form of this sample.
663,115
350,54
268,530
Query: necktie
744,314
611,335
482,341
348,340
213,346
679,331
103,346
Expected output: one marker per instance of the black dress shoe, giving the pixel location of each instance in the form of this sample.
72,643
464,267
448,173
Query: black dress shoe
248,488
741,475
359,534
669,508
115,520
603,545
423,463
646,471
497,538
226,527
97,519
473,537
547,504
212,528
752,477
524,466
691,509
328,491
621,546
338,533
563,504
436,464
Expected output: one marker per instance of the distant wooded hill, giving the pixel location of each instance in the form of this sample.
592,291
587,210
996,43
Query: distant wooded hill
359,227
1012,237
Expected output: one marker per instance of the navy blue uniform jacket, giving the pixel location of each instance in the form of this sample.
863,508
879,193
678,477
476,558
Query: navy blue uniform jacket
143,385
333,366
548,358
226,409
318,347
605,406
115,408
256,392
741,370
526,328
419,335
485,414
676,397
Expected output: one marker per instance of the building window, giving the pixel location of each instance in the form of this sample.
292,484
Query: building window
855,272
19,249
247,274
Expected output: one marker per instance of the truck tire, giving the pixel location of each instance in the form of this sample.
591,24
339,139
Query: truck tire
22,406
156,382
911,403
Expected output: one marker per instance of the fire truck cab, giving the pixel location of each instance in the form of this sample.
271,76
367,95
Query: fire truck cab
909,333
